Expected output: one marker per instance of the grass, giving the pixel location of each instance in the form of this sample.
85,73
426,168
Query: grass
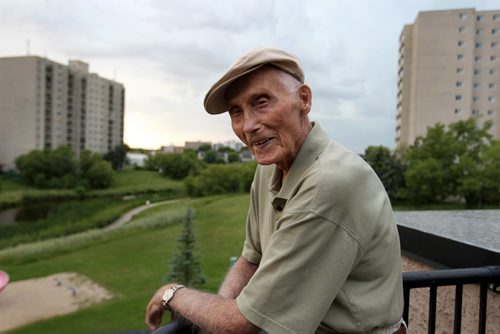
14,191
132,261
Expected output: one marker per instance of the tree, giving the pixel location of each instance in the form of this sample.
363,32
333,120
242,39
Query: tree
448,163
388,167
185,266
117,156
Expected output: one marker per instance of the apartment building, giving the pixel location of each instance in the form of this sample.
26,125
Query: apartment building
44,104
449,70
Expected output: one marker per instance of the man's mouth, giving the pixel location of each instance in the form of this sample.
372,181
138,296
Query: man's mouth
261,142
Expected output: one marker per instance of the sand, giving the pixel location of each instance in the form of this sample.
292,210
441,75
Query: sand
27,301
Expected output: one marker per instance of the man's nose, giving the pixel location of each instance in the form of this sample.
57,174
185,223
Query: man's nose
252,123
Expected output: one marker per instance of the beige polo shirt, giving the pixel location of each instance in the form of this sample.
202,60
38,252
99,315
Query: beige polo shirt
326,244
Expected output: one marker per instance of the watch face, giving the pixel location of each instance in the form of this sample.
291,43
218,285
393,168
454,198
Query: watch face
167,296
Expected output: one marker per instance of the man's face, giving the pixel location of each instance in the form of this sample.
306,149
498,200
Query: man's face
268,112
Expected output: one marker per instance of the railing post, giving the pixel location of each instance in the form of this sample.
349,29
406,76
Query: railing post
432,309
457,322
406,307
483,299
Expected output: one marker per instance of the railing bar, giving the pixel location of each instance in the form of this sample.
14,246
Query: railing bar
457,322
432,309
483,299
406,307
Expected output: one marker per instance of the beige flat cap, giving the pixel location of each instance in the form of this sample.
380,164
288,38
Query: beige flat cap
215,102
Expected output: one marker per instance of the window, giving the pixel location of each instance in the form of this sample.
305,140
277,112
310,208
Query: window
476,85
462,16
460,70
458,84
492,85
492,99
461,44
493,58
494,45
460,56
480,18
477,71
490,112
479,32
493,71
479,45
495,31
477,59
458,97
475,98
461,29
458,110
496,17
474,112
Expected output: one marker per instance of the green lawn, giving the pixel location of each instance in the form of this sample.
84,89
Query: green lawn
131,264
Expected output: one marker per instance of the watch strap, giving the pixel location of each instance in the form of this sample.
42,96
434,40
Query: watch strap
171,292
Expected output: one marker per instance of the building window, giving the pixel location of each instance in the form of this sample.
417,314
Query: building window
492,85
458,84
490,112
461,44
458,110
477,59
461,29
496,17
479,32
460,56
460,70
474,112
495,31
493,58
493,71
462,16
475,98
479,45
458,97
476,85
480,18
492,99
477,71
494,45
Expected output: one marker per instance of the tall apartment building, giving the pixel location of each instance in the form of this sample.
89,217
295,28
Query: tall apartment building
449,70
44,104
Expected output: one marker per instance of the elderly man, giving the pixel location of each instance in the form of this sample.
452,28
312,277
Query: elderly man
321,253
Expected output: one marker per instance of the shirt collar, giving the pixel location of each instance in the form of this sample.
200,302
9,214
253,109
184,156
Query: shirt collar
316,141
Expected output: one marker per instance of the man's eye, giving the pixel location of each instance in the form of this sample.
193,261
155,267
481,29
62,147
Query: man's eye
234,112
262,101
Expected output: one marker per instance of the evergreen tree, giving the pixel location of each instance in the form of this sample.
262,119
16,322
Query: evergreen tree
185,267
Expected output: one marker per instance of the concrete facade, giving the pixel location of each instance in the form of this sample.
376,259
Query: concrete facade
44,104
449,70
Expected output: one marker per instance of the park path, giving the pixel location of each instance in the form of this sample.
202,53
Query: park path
130,214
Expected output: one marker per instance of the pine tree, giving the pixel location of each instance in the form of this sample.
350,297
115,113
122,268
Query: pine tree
185,266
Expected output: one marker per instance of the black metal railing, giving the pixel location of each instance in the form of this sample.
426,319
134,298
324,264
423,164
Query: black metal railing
485,276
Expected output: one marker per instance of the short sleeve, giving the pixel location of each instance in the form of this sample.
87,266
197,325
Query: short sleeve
301,272
252,248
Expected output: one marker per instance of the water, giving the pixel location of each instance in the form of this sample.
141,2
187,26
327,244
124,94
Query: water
27,213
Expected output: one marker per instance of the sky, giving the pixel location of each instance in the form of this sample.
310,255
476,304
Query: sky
168,53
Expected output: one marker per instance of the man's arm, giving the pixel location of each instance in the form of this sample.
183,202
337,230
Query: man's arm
237,277
212,313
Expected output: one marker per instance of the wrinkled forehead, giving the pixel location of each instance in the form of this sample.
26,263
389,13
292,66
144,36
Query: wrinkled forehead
267,76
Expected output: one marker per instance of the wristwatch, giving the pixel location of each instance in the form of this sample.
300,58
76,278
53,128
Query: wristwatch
169,294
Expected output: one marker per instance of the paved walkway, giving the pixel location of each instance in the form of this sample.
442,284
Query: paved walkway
129,215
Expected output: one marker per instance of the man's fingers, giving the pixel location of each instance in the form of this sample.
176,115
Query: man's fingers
154,315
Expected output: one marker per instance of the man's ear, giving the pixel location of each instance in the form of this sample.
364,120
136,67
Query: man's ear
305,96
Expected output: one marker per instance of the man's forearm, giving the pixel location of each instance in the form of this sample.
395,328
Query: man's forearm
237,278
212,313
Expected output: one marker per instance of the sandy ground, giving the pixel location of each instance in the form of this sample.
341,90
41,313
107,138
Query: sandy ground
419,305
27,301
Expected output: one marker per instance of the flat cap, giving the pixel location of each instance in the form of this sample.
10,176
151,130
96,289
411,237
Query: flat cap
215,102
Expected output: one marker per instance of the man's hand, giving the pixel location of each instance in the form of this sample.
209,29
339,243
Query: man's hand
155,310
